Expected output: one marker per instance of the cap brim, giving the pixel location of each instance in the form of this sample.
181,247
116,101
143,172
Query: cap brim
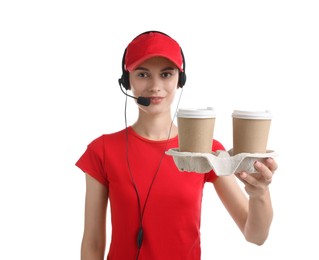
134,65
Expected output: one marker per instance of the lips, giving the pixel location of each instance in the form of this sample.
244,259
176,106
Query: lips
156,100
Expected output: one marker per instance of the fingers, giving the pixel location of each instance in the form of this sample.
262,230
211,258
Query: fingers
248,179
264,173
256,184
271,164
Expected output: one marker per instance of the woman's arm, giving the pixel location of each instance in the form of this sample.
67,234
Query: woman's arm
252,214
94,237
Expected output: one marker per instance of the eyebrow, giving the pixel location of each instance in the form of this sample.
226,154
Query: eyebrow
164,69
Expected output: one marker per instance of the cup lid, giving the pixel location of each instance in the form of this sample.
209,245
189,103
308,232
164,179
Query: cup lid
208,112
252,114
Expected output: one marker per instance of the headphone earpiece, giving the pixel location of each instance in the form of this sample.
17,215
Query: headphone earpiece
181,79
182,74
125,80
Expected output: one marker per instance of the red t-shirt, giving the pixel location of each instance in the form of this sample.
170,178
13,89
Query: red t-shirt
171,220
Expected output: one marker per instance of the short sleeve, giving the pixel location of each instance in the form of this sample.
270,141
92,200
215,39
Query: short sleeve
92,162
211,176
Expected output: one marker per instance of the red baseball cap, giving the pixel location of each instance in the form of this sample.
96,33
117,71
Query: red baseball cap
152,44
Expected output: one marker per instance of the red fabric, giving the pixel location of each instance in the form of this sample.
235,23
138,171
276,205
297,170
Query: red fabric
152,44
171,219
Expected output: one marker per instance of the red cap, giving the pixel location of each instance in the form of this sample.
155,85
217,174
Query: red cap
152,44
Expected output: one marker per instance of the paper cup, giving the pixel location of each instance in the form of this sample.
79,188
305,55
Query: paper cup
250,131
196,129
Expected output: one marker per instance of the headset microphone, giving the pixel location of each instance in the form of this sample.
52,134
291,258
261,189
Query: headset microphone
144,101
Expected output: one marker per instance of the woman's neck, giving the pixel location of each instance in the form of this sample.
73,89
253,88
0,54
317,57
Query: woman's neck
155,127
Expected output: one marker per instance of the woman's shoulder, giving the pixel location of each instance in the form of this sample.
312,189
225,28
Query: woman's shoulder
217,146
108,138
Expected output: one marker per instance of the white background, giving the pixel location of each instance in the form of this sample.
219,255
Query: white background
59,65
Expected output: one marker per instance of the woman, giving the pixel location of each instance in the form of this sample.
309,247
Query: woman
155,209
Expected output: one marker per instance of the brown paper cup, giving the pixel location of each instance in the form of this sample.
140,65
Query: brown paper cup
250,131
195,130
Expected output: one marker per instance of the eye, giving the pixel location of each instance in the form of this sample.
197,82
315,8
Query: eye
143,75
166,74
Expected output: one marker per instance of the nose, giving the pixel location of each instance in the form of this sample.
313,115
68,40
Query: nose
155,85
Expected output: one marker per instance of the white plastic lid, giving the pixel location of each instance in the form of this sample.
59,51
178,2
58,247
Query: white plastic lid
208,112
252,114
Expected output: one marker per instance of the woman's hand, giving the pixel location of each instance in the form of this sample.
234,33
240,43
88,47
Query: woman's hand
256,184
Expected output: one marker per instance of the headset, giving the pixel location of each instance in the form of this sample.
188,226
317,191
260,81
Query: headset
124,80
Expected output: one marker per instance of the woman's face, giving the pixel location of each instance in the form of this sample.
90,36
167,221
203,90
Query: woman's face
156,79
